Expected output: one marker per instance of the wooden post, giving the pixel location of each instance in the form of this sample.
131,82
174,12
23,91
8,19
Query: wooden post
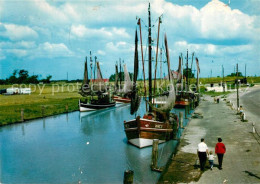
43,109
181,119
128,177
22,114
155,153
186,111
253,131
67,108
237,91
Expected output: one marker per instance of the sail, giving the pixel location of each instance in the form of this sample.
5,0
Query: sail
128,86
99,85
135,99
170,99
179,71
86,80
85,89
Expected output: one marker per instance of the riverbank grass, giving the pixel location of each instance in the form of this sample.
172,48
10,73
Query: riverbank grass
38,104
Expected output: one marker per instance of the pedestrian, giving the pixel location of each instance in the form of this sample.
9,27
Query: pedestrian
211,159
220,150
202,153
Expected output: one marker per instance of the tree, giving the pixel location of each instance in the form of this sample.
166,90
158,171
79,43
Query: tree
23,75
235,74
47,80
190,74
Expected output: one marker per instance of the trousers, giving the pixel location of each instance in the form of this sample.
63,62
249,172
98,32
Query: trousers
202,158
220,160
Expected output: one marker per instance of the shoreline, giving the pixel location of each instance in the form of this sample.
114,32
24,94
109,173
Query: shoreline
36,118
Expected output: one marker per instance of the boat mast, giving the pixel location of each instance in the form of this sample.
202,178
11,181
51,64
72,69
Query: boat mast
187,73
156,54
140,28
91,62
160,67
150,57
198,71
120,74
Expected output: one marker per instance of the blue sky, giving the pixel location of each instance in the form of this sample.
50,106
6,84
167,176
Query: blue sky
52,37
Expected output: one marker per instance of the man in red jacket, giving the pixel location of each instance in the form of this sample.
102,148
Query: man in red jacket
220,150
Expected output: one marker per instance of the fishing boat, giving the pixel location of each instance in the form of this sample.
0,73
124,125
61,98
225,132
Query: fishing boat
96,96
158,122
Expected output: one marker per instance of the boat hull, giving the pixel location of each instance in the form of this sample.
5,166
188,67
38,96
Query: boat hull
85,107
140,132
119,99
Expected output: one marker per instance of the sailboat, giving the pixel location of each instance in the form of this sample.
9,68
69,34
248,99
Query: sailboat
158,122
100,97
123,95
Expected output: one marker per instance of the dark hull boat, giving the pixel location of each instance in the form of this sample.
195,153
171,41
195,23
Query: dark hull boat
94,105
99,91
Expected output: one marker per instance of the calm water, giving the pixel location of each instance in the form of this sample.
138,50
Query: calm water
86,147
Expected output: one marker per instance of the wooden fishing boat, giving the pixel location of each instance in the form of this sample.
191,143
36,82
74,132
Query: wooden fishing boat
96,96
158,122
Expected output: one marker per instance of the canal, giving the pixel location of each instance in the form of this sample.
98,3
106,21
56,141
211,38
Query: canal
68,148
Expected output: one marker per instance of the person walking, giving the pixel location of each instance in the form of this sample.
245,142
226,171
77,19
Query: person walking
220,150
202,153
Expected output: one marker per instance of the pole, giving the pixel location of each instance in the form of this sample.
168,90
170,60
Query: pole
156,55
223,78
139,23
181,119
150,57
155,153
22,114
128,177
187,73
237,91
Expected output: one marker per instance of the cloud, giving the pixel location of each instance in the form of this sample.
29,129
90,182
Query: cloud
100,52
81,31
17,32
52,50
214,21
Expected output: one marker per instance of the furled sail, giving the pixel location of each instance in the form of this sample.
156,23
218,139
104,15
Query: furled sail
85,89
135,99
128,86
99,85
170,99
179,71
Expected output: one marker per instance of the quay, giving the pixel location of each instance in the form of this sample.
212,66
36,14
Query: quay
241,163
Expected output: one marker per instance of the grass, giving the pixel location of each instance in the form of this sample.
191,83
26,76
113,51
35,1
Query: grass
50,102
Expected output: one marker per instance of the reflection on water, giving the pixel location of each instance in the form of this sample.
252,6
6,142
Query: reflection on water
88,147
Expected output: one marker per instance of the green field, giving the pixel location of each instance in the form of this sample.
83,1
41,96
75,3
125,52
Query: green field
49,100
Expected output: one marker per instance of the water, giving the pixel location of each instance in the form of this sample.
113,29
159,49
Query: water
68,148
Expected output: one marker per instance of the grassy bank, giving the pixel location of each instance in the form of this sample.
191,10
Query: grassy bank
44,101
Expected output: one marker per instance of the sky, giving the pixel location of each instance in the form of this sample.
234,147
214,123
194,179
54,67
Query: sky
53,37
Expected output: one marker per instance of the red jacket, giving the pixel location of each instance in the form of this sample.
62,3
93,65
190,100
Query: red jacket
220,148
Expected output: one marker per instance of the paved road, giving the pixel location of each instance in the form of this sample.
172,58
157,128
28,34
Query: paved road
241,162
251,103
